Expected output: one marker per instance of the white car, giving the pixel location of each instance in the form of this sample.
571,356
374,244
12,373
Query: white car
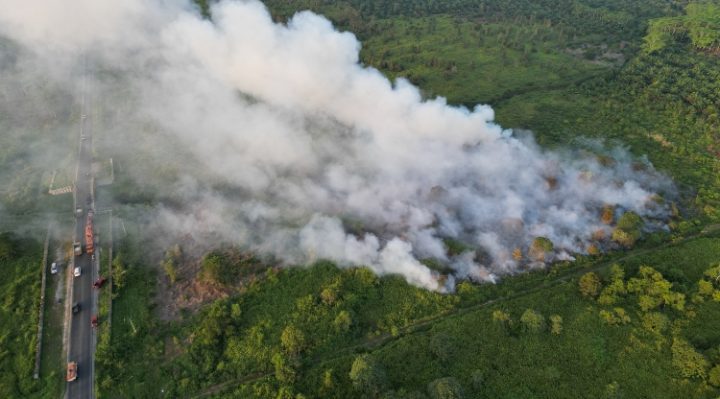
76,272
53,268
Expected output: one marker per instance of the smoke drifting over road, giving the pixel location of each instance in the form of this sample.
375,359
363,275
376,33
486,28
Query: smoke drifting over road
278,139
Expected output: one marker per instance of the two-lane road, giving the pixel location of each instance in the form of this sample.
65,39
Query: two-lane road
82,335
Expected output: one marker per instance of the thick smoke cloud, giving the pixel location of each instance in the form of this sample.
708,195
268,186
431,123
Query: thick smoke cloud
280,140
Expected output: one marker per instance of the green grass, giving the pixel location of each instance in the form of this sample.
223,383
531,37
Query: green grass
128,363
52,363
19,304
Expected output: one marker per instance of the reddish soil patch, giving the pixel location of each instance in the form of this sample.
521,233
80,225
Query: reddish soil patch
190,291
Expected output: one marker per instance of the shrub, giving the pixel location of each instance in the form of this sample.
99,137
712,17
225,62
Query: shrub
292,340
343,321
367,375
627,231
540,248
714,376
532,321
556,324
445,388
589,285
629,221
688,362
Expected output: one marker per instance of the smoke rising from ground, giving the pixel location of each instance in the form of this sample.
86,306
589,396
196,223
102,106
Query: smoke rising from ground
278,139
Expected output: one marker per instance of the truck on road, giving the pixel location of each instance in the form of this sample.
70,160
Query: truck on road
89,236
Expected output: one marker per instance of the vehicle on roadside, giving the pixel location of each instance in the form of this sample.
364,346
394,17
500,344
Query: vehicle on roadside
53,268
94,321
78,211
99,282
71,372
76,308
77,271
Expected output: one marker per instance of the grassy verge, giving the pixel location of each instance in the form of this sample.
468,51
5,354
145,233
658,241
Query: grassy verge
19,302
53,365
128,359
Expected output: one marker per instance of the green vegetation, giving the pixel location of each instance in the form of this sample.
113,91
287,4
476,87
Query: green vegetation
627,231
540,248
641,322
132,349
325,332
20,296
701,25
589,285
638,323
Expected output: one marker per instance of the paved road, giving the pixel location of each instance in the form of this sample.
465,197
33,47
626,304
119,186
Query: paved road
82,336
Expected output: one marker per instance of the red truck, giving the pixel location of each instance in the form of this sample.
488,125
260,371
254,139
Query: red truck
89,236
99,282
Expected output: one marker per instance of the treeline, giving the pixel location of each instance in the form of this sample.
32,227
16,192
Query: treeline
618,19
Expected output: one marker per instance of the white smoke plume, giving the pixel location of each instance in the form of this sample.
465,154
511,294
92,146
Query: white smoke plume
280,140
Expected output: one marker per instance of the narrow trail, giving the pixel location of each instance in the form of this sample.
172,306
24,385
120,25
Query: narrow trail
375,343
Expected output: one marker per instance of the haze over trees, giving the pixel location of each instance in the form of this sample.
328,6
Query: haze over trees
635,313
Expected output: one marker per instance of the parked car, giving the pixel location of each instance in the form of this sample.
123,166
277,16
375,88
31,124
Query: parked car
54,268
94,321
77,271
76,308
